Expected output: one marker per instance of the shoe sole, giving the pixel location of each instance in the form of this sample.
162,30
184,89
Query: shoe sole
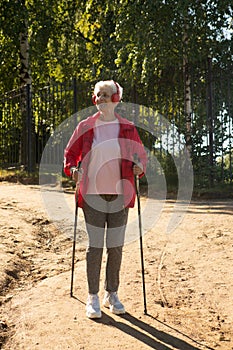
99,315
114,311
117,312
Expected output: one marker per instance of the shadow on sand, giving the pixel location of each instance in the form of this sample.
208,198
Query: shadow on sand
154,338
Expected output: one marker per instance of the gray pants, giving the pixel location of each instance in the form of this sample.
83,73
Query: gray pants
106,220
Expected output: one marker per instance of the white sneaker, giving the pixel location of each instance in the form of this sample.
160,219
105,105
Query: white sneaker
93,306
112,301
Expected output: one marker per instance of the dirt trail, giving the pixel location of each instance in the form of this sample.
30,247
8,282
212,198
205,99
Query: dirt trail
189,282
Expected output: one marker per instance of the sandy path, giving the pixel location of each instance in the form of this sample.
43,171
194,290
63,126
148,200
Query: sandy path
188,281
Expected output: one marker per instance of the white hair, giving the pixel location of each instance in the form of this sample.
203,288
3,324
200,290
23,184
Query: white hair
110,83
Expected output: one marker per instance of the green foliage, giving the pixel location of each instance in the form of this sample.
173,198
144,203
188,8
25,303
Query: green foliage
141,44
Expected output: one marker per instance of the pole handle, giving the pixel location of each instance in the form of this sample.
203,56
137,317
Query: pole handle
136,159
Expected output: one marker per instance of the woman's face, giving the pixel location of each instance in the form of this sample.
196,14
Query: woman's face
103,98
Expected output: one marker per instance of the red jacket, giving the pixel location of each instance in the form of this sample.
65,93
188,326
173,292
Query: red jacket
79,147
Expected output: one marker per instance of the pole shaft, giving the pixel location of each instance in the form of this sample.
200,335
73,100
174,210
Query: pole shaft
141,243
74,246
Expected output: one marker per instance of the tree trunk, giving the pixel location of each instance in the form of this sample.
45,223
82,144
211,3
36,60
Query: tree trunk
187,96
25,83
210,117
25,76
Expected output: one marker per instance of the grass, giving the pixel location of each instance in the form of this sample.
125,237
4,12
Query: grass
224,190
21,176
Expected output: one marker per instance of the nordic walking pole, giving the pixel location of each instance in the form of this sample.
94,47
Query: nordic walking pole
75,234
136,178
74,243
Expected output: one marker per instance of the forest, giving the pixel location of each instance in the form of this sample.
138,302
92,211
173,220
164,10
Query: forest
174,56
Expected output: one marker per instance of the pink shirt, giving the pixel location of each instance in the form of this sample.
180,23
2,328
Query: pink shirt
104,171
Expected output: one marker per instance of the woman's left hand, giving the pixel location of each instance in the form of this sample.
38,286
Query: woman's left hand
138,169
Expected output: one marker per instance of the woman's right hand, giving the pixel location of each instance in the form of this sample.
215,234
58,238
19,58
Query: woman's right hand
77,175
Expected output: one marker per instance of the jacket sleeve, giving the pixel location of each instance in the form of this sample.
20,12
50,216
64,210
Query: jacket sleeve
139,150
73,150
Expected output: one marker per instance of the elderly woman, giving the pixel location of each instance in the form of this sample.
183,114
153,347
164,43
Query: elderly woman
107,146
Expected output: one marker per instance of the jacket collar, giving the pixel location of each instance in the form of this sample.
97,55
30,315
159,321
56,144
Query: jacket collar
90,122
